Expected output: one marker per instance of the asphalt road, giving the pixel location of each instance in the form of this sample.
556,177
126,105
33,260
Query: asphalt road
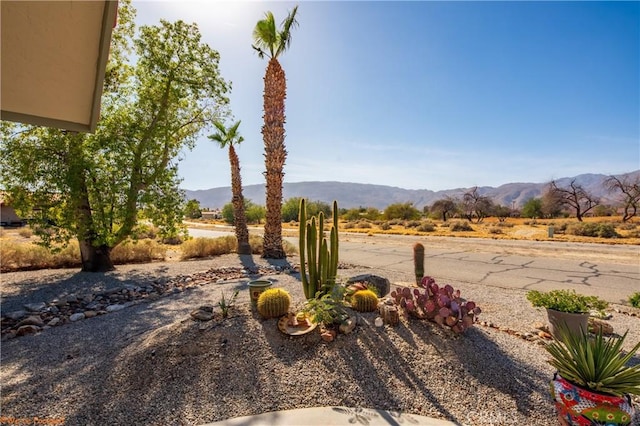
611,272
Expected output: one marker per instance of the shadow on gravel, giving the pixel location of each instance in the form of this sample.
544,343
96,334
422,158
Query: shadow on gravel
61,284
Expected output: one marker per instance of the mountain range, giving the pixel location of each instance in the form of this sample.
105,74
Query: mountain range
351,195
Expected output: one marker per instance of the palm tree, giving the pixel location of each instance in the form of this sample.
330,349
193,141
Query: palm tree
271,43
231,137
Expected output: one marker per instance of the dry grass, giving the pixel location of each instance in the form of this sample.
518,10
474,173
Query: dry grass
205,247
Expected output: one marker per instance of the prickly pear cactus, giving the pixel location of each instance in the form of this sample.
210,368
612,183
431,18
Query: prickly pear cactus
273,303
364,301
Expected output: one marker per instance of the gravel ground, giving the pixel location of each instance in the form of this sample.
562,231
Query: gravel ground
150,364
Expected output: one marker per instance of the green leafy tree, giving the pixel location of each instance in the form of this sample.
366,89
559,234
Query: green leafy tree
97,185
253,212
271,42
230,137
444,208
532,208
405,211
192,209
291,209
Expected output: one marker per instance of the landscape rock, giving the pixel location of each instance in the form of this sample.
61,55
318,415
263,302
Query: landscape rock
202,314
347,326
15,315
55,321
27,329
76,317
114,308
35,307
381,284
596,325
31,320
90,314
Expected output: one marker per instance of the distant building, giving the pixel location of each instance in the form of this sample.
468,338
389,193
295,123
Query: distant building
8,216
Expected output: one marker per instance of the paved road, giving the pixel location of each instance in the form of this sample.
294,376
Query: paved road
608,271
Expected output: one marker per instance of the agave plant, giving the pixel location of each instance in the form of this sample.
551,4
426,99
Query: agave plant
597,364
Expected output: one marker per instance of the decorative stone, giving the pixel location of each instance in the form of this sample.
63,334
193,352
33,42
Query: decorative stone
382,285
347,326
35,307
15,315
201,315
379,322
27,329
31,320
595,325
90,314
76,317
114,308
55,321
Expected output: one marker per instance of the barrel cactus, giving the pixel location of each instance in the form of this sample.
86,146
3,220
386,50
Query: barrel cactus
273,303
364,301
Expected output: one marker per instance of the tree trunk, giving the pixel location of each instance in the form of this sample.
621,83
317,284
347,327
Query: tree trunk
95,259
275,88
239,217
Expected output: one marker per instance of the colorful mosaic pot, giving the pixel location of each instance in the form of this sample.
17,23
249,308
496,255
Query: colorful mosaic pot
580,407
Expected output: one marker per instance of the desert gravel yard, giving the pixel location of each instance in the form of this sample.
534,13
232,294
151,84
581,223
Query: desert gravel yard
152,364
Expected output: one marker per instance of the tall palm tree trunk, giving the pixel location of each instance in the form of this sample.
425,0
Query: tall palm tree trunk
240,219
275,88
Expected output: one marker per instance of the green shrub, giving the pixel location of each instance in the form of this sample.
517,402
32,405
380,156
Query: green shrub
412,224
634,299
566,301
460,225
385,226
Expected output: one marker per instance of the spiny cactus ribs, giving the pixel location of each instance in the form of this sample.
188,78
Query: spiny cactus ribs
364,301
442,305
418,261
274,303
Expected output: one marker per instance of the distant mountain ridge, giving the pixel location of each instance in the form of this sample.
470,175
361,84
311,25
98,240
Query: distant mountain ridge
350,195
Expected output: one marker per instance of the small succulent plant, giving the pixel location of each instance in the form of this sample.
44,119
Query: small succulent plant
442,305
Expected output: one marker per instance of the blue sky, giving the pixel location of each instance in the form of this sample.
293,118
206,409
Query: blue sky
429,95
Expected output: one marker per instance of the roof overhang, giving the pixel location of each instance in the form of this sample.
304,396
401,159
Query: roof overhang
53,60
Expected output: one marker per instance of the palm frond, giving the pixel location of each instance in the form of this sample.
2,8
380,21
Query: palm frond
265,35
284,36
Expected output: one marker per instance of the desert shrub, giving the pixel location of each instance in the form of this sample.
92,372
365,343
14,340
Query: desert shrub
494,230
634,233
393,222
173,240
145,231
204,247
27,256
460,225
445,225
349,225
25,232
426,226
627,226
138,252
602,230
363,224
505,224
634,299
412,224
385,226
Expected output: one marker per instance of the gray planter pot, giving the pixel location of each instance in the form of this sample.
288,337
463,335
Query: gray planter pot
574,322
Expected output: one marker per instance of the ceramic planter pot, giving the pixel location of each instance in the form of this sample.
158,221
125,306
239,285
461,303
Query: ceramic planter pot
580,407
256,288
575,323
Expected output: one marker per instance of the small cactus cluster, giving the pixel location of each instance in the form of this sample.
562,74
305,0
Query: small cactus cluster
273,303
364,301
442,305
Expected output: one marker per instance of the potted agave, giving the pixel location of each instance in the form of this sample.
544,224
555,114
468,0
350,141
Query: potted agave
593,383
566,308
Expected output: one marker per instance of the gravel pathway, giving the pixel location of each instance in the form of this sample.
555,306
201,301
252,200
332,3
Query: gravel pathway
151,364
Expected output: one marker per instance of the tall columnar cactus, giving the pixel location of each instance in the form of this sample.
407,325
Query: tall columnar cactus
273,303
364,301
317,256
418,262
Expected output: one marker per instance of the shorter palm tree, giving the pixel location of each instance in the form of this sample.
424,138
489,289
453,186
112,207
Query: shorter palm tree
232,137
